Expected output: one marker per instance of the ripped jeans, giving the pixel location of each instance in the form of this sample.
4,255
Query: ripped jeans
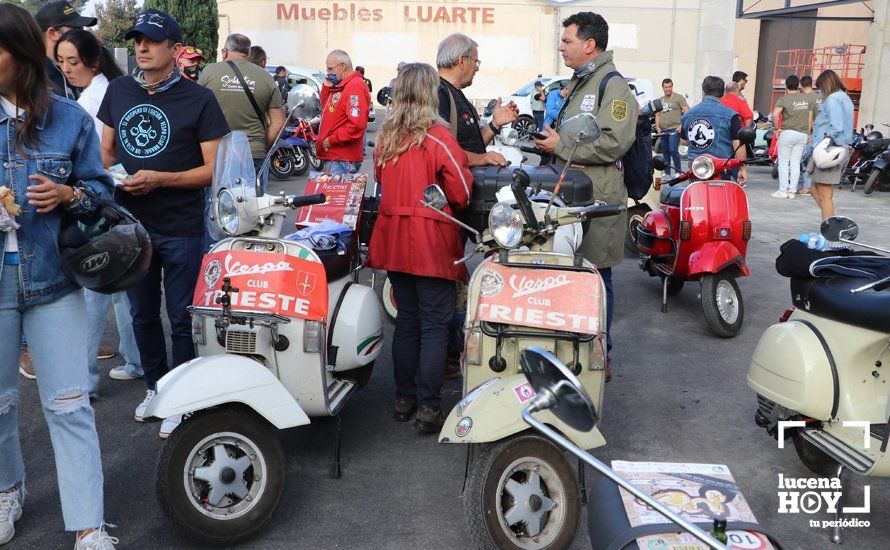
57,338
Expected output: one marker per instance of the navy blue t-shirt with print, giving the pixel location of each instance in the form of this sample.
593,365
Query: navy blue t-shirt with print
163,132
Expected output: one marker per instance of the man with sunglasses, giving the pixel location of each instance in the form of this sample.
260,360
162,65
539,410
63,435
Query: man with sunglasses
458,62
190,61
55,19
345,101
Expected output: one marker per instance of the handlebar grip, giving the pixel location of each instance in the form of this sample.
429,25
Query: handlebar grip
605,211
307,200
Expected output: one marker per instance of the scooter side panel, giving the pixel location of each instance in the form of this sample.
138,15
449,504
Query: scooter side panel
494,411
790,367
205,382
358,328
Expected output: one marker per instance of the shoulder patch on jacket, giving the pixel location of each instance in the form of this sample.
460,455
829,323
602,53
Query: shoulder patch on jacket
619,110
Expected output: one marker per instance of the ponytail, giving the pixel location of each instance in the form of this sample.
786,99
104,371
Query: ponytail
108,65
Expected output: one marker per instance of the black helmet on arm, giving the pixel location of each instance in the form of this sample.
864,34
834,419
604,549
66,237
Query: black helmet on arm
108,256
874,135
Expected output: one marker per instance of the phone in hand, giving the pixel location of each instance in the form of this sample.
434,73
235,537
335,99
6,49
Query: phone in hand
537,135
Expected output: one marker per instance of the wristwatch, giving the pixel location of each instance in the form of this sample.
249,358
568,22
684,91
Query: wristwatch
77,195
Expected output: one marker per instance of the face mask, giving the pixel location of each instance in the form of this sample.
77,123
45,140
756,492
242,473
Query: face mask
332,78
192,72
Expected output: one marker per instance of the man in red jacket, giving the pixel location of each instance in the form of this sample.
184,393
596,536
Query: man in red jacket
345,101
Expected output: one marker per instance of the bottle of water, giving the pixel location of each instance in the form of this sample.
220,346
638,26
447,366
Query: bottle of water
815,241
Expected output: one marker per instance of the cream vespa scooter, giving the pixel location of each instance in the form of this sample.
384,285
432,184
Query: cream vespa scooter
522,295
283,333
820,375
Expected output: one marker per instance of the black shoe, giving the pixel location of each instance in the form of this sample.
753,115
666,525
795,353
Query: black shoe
429,420
405,408
452,369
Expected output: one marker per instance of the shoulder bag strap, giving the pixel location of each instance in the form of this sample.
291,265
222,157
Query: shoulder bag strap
256,108
602,90
452,116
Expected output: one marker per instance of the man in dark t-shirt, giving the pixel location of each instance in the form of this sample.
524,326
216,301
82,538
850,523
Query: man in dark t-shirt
458,62
164,129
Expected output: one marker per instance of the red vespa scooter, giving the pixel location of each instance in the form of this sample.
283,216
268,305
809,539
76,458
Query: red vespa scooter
701,232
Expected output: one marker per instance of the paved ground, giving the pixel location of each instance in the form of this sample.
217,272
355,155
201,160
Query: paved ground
678,395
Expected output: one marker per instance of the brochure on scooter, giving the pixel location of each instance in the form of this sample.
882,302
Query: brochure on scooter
344,194
697,492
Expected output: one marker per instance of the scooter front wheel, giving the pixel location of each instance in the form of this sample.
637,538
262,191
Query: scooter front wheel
301,162
521,493
721,302
220,475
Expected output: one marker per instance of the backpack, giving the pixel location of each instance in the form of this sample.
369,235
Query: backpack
637,161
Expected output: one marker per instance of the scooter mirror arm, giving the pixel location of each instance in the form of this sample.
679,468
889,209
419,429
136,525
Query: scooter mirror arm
452,219
540,403
863,245
268,159
882,283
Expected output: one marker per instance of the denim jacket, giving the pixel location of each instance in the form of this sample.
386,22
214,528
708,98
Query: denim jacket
835,119
67,152
707,128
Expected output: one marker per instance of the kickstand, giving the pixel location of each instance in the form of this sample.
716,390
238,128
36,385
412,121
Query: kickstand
582,481
335,467
664,295
837,532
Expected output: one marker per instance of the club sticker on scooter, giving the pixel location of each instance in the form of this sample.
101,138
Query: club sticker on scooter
541,298
268,283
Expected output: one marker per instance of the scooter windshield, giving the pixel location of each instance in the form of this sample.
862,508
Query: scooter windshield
232,201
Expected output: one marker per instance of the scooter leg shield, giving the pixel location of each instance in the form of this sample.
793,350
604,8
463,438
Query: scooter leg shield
791,367
493,411
206,382
714,256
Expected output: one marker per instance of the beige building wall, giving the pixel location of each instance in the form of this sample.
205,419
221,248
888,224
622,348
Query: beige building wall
518,39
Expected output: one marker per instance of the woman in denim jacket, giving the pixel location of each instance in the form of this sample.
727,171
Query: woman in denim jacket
835,121
52,164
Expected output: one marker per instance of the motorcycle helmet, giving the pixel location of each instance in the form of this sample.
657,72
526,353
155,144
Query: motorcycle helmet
108,256
384,96
768,136
828,155
874,135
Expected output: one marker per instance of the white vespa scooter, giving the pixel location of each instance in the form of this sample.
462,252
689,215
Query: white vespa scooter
283,334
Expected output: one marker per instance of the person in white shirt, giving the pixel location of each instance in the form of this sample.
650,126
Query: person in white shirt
89,66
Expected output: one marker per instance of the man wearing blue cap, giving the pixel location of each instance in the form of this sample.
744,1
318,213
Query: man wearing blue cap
164,130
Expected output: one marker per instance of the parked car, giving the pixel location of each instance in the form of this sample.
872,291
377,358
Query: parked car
302,75
643,88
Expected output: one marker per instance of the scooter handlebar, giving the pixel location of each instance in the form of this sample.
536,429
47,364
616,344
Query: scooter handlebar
600,211
307,200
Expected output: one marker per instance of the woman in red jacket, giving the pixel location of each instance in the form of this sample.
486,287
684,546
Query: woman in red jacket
414,244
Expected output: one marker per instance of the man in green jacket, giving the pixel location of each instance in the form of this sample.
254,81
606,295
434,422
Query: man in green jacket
583,47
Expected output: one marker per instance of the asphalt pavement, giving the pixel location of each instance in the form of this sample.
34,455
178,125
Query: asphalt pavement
678,395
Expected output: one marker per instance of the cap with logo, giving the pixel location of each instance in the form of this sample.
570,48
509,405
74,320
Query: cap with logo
61,14
156,25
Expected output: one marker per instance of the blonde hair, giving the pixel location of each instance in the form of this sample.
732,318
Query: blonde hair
414,109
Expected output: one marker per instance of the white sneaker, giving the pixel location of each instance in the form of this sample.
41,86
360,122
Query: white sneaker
790,195
97,540
120,373
140,410
780,195
171,423
10,512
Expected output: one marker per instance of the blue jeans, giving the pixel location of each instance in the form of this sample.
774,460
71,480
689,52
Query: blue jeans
606,274
539,119
175,263
97,314
671,145
341,167
57,339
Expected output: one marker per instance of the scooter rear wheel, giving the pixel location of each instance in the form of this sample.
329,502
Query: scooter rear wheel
721,302
220,475
281,166
872,182
521,493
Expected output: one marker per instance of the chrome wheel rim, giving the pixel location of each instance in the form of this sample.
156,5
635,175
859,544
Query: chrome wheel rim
727,302
531,503
523,127
225,475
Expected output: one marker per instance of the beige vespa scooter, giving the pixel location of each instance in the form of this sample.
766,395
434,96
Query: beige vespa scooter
521,491
821,376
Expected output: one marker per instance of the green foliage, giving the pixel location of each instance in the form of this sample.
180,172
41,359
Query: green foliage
199,20
115,19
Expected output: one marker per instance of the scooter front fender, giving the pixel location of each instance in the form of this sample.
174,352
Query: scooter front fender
494,410
206,382
715,256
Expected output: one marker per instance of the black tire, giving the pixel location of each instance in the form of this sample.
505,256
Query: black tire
721,321
675,286
634,218
180,506
872,182
301,162
525,125
314,162
483,503
281,166
361,376
814,459
775,172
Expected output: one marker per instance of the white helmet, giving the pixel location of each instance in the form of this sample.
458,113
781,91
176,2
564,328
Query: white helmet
828,155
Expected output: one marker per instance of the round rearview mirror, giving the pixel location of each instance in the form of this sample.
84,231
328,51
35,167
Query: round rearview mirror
836,228
384,96
747,136
434,197
581,128
569,401
658,162
303,101
756,116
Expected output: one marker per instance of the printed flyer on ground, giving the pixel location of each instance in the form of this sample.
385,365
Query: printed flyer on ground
697,492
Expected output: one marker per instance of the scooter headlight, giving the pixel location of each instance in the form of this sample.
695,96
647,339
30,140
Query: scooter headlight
505,225
703,167
227,212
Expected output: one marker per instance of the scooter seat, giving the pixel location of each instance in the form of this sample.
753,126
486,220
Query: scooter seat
671,195
337,265
830,297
